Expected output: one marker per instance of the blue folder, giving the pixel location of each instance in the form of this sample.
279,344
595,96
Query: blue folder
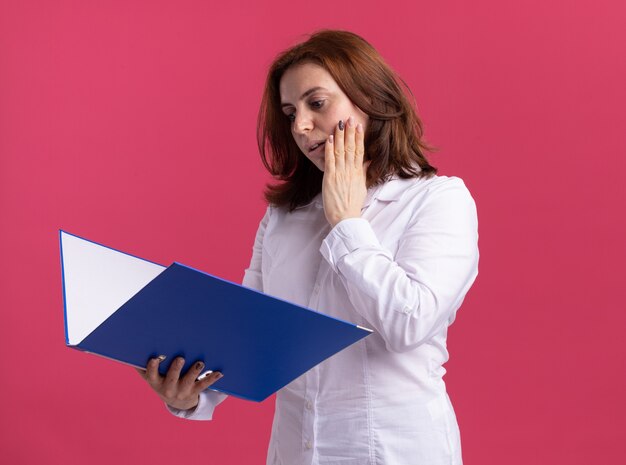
260,343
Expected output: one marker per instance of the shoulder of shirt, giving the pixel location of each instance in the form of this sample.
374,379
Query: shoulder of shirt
398,188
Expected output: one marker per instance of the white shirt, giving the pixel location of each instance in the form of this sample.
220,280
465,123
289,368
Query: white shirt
402,269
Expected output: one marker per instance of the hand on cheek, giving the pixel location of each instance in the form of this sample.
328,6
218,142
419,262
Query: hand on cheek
344,185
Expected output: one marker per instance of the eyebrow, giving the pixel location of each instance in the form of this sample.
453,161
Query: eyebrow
305,95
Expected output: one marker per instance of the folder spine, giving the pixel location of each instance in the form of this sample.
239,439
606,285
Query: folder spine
67,339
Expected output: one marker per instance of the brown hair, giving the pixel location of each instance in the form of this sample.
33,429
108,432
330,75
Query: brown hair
393,137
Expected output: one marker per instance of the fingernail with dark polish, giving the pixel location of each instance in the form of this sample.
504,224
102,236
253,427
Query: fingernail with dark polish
341,125
199,366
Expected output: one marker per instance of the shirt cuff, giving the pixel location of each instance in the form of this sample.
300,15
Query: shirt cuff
204,410
347,236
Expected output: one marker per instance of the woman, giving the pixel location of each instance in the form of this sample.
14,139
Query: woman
363,229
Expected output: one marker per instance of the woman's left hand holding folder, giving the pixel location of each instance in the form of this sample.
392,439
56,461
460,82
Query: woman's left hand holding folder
178,392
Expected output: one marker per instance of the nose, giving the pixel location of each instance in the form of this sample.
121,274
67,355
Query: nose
302,124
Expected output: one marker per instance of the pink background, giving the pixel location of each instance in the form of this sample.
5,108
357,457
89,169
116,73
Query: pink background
133,123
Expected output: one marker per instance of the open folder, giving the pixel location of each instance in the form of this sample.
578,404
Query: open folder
128,309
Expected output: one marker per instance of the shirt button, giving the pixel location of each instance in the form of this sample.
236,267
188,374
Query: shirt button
308,405
308,444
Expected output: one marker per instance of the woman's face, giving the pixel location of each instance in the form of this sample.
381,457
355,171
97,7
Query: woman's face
314,104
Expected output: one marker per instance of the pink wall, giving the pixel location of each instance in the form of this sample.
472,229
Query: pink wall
133,123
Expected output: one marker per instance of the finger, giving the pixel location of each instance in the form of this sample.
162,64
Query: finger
349,143
192,374
339,146
329,155
206,382
366,166
173,373
152,370
360,145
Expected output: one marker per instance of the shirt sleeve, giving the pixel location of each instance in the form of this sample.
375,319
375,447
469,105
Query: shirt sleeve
253,276
204,410
409,297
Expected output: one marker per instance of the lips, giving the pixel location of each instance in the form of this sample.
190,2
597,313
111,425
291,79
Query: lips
316,146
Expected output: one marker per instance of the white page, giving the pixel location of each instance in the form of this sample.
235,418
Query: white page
97,281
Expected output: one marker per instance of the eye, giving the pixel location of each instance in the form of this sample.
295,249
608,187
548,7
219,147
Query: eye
291,117
317,104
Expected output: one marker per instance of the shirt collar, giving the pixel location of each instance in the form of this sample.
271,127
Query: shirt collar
390,191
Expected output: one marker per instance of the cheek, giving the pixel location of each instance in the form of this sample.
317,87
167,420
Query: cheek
351,110
361,117
332,116
293,134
